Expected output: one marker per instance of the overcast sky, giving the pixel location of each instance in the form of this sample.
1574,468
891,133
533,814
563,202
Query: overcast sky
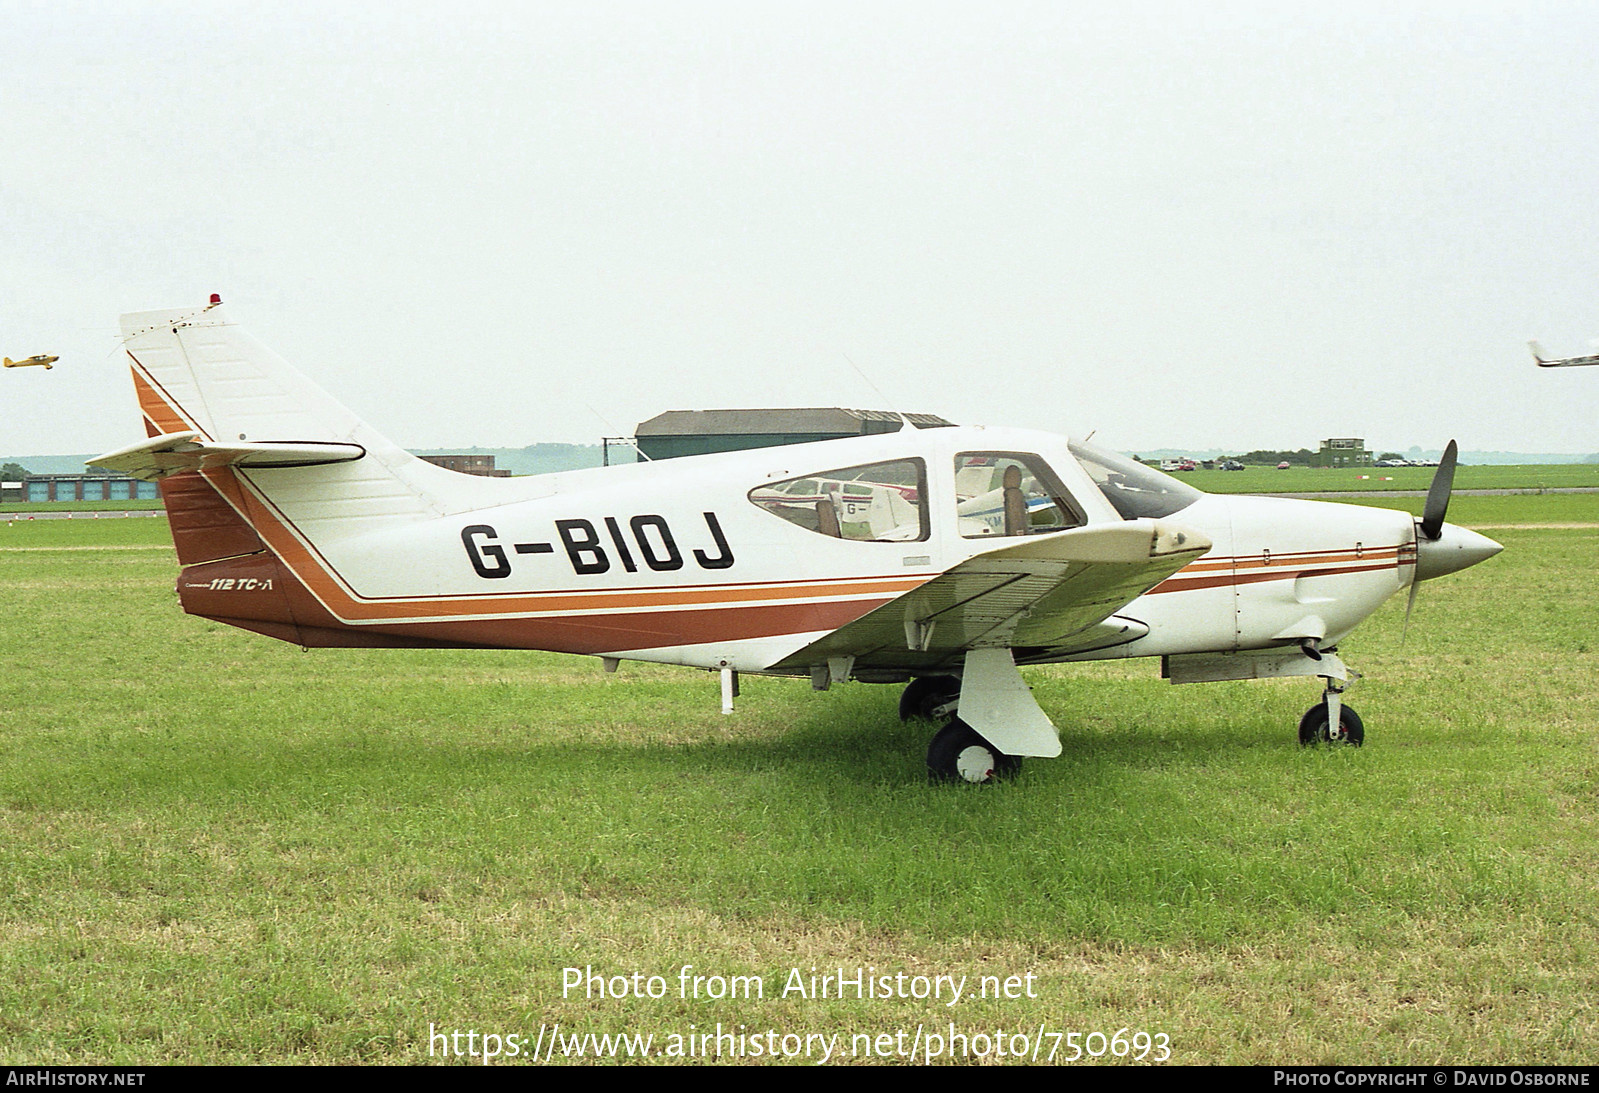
1181,225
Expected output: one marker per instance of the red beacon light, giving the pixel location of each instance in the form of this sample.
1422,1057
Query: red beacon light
216,298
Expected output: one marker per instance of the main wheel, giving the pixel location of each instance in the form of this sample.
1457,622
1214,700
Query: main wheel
959,754
924,694
1313,727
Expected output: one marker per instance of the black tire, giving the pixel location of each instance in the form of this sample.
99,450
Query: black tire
959,754
924,694
1313,727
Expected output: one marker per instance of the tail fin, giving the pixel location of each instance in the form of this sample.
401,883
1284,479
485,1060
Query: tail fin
1539,353
197,373
268,480
195,370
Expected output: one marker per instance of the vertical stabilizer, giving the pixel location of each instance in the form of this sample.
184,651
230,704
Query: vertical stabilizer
196,370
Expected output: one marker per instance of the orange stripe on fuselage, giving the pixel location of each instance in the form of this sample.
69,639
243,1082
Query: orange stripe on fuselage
1282,561
1186,581
344,603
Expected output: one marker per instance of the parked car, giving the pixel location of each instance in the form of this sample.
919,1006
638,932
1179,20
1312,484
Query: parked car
1283,466
1230,465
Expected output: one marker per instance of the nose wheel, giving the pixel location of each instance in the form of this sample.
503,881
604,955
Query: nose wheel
1316,727
1330,721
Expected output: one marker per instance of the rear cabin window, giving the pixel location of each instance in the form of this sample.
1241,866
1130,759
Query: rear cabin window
1010,493
873,503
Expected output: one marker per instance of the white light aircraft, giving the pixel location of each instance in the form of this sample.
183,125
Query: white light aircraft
940,558
1539,354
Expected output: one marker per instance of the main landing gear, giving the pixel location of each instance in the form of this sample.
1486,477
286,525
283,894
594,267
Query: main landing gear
958,752
932,697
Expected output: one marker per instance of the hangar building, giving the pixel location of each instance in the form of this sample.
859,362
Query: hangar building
699,432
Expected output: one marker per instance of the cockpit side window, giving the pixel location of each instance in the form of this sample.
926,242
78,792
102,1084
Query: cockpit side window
873,503
1132,488
1010,493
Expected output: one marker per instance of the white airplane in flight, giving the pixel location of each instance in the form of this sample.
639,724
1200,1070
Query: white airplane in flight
1544,361
940,558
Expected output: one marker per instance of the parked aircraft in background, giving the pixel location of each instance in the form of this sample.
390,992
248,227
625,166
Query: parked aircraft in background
940,558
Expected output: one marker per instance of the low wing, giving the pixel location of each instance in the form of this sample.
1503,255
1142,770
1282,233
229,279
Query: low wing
171,453
1045,592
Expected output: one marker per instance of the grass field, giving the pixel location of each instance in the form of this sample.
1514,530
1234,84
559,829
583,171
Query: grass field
146,505
217,848
1313,479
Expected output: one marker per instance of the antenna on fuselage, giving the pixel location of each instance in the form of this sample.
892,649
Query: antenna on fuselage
605,441
887,402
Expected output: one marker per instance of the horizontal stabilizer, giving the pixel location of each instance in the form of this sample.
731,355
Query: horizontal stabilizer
173,453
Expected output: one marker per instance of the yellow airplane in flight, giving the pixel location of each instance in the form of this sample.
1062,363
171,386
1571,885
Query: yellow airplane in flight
37,359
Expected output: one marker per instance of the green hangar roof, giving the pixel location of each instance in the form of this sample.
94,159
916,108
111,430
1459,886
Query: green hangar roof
698,432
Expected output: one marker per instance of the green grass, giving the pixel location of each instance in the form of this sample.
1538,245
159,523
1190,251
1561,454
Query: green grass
124,531
138,505
1313,479
1546,508
217,848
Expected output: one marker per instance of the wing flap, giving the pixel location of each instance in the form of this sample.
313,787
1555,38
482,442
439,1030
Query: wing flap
1038,592
173,453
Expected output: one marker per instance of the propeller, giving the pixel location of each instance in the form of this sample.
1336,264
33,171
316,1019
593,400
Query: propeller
1431,525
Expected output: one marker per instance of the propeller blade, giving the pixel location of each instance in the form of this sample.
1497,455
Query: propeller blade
1410,605
1443,480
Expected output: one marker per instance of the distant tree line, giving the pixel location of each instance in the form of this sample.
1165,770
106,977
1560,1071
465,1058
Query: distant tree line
1300,458
13,472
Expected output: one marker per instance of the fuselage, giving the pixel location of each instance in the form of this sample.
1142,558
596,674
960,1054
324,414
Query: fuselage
729,560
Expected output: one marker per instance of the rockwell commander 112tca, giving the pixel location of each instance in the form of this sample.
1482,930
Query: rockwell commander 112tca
938,558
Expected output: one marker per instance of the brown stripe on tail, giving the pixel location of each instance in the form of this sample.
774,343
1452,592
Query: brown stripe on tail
204,526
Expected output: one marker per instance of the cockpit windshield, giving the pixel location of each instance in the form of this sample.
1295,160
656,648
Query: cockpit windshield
1134,489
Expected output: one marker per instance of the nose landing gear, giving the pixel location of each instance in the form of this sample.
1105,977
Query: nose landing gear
1317,726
